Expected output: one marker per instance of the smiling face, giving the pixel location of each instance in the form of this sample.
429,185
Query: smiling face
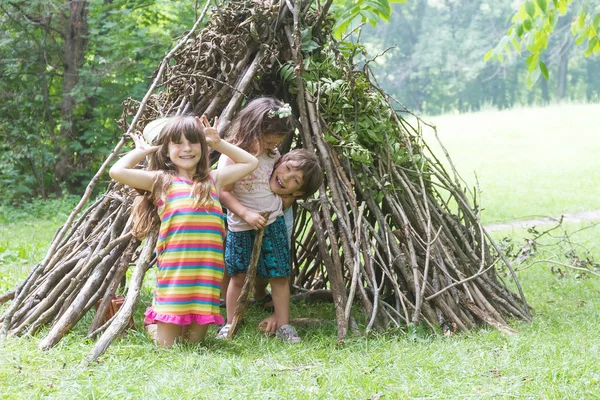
286,179
185,155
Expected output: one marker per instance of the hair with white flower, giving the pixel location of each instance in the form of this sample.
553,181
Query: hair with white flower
283,112
261,118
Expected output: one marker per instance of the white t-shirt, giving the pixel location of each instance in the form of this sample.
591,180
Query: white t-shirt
254,193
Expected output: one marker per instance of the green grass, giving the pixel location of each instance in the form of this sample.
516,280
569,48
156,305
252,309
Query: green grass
555,356
529,162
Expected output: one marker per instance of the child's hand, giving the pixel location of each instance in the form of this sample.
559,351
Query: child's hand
255,220
210,132
140,144
268,325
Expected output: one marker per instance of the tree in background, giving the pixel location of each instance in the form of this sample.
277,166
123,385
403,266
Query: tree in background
537,22
65,68
434,59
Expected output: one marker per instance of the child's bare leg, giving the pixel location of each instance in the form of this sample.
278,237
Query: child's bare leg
225,285
260,288
260,292
167,334
234,289
281,300
196,332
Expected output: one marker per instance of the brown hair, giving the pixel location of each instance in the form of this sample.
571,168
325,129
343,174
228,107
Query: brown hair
144,212
255,121
307,162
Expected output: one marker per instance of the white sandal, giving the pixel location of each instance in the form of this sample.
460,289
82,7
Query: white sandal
287,334
224,331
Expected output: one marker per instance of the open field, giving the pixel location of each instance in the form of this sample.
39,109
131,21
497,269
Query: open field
529,162
554,357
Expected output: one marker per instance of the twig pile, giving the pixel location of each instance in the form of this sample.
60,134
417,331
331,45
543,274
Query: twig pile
399,236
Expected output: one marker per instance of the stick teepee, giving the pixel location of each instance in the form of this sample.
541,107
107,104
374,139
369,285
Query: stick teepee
390,230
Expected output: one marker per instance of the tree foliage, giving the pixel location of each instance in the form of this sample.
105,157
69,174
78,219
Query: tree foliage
537,20
125,42
373,12
430,56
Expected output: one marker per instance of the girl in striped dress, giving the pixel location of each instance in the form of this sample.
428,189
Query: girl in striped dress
181,194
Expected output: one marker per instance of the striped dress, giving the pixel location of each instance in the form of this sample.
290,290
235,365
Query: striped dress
190,259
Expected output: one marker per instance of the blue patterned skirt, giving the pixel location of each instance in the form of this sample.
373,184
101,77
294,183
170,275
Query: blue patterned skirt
274,261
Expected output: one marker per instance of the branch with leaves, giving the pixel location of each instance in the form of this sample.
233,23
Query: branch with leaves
534,23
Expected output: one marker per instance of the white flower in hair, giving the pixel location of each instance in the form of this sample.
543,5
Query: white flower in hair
283,112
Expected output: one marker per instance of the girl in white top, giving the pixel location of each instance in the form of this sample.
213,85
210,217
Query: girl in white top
259,128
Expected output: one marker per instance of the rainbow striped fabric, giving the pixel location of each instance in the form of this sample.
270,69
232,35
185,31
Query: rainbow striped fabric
190,259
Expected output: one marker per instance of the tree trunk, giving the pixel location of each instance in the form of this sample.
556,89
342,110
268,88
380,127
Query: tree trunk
75,44
563,67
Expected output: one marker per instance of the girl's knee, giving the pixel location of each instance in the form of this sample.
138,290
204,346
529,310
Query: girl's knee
167,334
196,332
237,280
279,281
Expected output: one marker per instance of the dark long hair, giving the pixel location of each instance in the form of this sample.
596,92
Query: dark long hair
145,215
255,121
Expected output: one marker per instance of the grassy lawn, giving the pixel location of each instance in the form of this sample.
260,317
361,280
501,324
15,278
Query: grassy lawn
529,162
555,356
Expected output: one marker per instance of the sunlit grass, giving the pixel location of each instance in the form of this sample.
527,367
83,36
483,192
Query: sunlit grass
528,162
555,356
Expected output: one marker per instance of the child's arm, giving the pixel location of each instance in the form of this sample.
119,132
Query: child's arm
227,198
123,171
253,219
245,162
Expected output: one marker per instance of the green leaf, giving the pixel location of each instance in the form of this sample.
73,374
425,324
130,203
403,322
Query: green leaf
597,21
502,43
591,45
516,45
553,18
533,77
544,69
488,55
370,17
532,61
575,26
382,8
581,20
530,8
563,6
543,5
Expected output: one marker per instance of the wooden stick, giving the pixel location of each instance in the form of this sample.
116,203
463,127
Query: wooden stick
122,317
242,302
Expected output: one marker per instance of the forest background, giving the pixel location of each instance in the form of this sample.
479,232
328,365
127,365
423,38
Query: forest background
65,70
